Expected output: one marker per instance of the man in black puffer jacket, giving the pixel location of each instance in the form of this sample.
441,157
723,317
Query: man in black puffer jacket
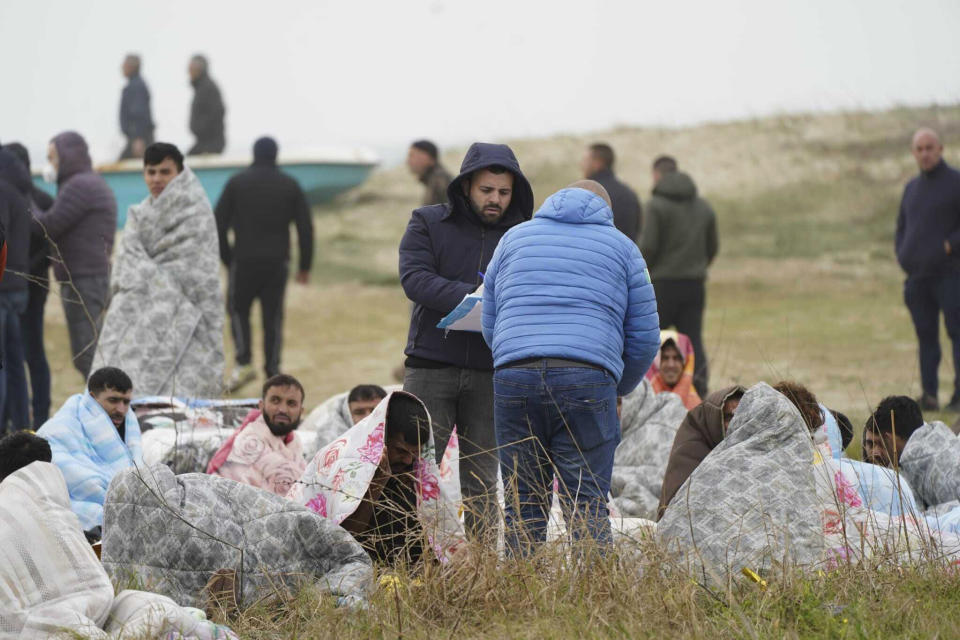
443,254
260,204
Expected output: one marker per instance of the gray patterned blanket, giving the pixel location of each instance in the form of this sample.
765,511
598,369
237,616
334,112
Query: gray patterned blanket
164,325
931,464
649,423
174,532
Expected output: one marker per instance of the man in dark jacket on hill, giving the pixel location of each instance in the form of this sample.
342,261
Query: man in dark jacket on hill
928,249
15,188
679,242
207,110
80,226
597,165
443,254
260,204
423,160
136,123
31,321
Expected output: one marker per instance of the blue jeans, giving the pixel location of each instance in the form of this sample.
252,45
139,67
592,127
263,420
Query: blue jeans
14,397
555,421
926,298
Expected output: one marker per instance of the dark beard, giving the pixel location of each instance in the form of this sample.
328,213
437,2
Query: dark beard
481,218
280,430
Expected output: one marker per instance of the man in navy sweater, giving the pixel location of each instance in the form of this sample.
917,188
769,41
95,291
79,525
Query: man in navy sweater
928,249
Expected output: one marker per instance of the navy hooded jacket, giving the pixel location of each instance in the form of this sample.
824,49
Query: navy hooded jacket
569,285
15,219
443,252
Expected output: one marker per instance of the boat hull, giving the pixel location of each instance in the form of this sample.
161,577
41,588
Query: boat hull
321,181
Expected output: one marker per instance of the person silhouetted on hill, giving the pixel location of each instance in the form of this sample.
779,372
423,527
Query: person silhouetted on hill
679,242
928,249
207,111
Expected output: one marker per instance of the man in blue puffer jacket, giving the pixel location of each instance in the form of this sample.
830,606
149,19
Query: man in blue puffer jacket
571,316
442,255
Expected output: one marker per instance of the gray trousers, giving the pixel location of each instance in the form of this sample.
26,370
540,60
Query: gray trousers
464,398
84,313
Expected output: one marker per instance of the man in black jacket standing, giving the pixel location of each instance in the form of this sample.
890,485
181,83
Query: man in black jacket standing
207,110
597,165
443,254
135,119
31,320
259,204
928,249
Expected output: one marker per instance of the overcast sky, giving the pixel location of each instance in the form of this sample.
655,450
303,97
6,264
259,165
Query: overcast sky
380,73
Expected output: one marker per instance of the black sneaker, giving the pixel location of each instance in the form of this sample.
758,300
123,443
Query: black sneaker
954,406
929,403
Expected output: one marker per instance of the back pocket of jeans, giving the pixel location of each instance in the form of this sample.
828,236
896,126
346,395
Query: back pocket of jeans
588,421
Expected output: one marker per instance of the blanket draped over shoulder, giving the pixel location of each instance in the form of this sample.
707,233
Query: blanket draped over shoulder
87,448
338,477
254,456
51,583
649,422
174,532
771,493
164,326
931,463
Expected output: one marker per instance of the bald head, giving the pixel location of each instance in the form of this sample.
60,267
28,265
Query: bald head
593,187
926,148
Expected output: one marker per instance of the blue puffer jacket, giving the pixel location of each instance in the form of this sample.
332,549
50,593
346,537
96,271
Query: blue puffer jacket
567,284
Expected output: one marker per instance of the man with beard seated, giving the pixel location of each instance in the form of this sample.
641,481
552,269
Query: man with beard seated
386,522
266,452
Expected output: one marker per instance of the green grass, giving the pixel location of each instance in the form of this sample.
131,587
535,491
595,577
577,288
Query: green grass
805,287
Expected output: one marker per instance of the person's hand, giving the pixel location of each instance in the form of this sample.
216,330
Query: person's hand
946,247
303,277
138,147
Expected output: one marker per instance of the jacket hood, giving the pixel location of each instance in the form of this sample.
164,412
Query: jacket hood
576,206
481,155
676,186
74,155
13,171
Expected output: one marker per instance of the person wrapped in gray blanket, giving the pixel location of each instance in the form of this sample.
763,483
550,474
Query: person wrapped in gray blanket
648,423
927,454
176,533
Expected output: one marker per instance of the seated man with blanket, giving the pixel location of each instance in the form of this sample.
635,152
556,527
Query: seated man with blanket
53,585
336,415
93,436
266,452
706,426
380,482
672,369
164,325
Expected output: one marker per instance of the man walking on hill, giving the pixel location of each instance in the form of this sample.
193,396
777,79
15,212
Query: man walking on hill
206,111
928,249
443,253
679,242
135,119
260,204
597,165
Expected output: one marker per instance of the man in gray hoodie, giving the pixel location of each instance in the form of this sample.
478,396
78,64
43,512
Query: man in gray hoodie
80,225
679,241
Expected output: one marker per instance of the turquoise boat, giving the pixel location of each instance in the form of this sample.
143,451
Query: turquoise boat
322,176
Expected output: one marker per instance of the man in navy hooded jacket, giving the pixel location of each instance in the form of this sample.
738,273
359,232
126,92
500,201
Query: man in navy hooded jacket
443,254
570,312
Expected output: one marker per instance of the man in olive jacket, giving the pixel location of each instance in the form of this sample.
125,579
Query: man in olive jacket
679,241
